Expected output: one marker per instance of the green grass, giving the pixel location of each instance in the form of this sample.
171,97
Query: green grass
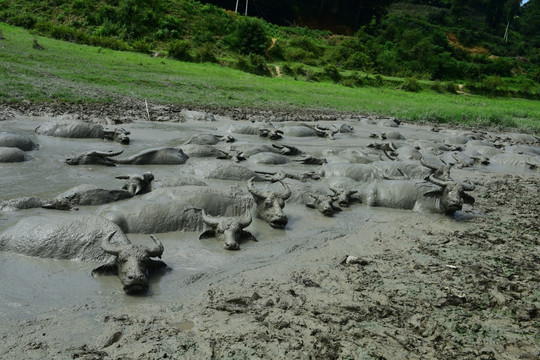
68,72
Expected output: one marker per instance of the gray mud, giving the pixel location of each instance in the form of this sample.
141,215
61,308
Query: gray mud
424,285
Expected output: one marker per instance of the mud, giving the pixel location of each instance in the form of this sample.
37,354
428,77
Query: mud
368,283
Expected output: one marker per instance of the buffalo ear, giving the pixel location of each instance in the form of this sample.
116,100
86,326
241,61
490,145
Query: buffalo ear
207,234
154,265
248,236
434,193
467,199
310,205
337,208
107,269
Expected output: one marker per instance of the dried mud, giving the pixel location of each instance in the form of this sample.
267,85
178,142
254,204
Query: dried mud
419,287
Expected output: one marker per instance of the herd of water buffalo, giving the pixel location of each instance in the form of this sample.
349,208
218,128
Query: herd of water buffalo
385,170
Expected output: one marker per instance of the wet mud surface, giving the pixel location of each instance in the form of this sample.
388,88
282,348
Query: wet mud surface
367,283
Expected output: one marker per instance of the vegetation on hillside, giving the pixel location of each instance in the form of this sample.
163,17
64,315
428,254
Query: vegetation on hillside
413,44
43,70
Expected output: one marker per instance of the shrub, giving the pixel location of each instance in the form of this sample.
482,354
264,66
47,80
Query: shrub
206,53
492,84
254,64
353,80
359,61
249,37
411,84
180,50
298,55
437,86
332,73
276,51
287,70
25,20
307,45
141,46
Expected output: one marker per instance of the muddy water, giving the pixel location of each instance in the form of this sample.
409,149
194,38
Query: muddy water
31,286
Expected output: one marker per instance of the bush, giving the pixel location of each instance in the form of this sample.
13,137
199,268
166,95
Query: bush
332,73
141,46
287,70
359,61
437,86
27,21
206,53
411,84
353,80
276,51
249,37
493,84
254,64
180,50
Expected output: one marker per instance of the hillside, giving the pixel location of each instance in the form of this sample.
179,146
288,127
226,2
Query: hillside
405,39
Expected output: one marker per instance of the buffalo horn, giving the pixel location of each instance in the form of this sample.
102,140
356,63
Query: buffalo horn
439,182
209,220
252,189
287,192
429,166
156,250
106,153
246,220
107,246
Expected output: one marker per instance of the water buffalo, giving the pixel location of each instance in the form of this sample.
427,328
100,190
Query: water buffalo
436,195
355,156
299,130
12,140
137,184
209,139
158,156
271,133
287,149
196,150
94,157
268,158
176,208
342,196
229,230
22,203
323,131
131,263
81,129
86,194
324,204
190,115
375,170
60,235
270,204
12,155
222,171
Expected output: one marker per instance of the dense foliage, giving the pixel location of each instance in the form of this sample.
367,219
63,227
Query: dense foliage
440,40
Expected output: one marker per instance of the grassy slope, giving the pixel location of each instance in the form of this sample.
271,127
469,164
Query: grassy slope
71,73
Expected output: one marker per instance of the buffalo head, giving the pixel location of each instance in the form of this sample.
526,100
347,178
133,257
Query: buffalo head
94,158
230,230
324,204
452,194
272,134
270,204
343,197
132,263
137,184
118,135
